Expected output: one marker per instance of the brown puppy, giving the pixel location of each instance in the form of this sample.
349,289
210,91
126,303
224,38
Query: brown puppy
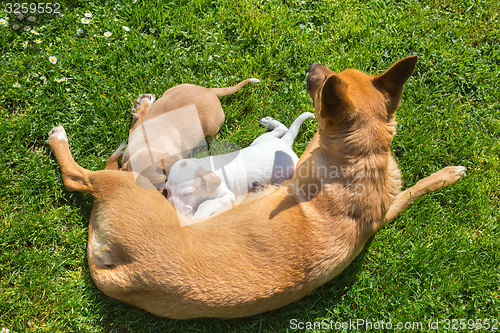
166,130
279,244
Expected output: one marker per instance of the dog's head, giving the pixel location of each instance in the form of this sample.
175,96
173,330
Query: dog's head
354,104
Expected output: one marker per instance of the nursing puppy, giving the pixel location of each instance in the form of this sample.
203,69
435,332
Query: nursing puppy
279,244
206,186
166,130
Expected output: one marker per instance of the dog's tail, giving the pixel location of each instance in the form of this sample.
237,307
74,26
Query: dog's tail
292,132
231,90
113,159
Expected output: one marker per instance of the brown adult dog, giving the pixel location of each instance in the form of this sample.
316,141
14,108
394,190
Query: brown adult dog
178,128
279,244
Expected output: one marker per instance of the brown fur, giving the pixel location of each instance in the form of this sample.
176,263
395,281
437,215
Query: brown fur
279,244
206,100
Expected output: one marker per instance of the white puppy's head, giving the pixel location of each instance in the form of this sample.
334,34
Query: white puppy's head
189,183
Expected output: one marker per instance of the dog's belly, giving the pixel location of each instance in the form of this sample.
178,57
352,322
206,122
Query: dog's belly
255,166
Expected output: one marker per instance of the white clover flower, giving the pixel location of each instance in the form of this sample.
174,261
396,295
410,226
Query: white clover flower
85,21
15,85
38,41
15,26
3,21
107,34
126,28
79,32
210,58
88,15
32,19
53,59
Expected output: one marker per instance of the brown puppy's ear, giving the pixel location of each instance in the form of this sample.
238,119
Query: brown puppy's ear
334,96
393,79
209,179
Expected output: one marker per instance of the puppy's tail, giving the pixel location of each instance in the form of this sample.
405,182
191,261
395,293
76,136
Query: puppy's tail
292,132
113,159
231,90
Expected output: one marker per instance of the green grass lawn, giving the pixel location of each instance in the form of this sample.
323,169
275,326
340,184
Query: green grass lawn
438,261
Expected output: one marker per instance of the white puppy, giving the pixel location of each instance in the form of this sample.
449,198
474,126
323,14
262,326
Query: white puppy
205,186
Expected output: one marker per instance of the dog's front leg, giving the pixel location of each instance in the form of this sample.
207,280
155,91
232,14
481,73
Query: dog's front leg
212,206
438,180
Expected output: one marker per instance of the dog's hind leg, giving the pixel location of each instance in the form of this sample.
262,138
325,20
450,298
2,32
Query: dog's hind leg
277,128
438,180
75,177
113,159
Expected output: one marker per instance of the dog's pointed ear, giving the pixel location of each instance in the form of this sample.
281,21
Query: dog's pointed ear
393,79
333,95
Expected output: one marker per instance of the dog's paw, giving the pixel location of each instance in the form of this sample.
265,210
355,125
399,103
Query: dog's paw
269,122
266,120
454,173
145,98
142,104
58,133
450,175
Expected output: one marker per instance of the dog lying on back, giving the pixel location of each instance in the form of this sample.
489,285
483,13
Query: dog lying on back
206,186
166,130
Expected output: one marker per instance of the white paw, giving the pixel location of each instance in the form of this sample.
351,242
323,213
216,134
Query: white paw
58,133
264,121
269,122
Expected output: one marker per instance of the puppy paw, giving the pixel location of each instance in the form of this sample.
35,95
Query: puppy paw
58,133
145,98
269,122
142,104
